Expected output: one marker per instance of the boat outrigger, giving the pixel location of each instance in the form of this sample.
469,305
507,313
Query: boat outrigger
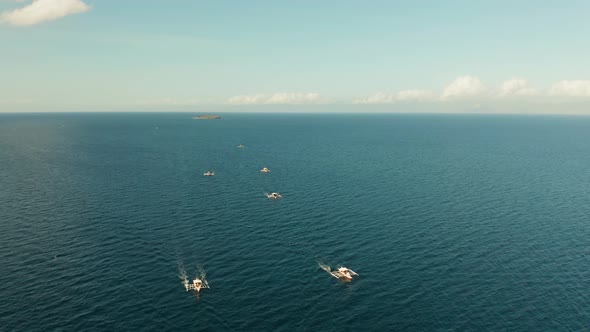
342,273
196,285
273,195
209,173
265,170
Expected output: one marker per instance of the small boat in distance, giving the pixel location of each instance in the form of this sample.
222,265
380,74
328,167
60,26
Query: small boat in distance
196,285
241,146
209,173
342,273
273,195
265,170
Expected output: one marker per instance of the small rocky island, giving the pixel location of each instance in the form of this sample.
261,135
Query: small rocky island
206,117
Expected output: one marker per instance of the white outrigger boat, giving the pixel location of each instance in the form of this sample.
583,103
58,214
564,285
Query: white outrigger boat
241,146
265,170
342,273
196,285
273,195
209,173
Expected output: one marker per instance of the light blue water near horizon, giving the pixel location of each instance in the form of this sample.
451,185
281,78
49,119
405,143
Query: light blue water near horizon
454,222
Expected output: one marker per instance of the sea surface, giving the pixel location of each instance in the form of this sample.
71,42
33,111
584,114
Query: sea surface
454,222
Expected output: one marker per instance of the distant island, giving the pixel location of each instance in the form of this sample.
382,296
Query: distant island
206,117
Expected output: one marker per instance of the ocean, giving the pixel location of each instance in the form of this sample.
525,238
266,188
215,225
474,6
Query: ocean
453,222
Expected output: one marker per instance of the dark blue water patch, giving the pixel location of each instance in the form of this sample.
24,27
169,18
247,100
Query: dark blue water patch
453,222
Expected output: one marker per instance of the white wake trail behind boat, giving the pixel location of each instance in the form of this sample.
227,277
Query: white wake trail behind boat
201,274
182,275
325,267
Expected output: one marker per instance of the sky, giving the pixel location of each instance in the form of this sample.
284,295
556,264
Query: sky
359,56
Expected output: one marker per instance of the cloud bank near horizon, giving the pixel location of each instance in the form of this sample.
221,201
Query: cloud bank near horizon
471,88
40,11
401,96
167,101
461,89
294,98
464,87
466,92
576,88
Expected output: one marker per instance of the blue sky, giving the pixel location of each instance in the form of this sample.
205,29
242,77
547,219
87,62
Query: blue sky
173,55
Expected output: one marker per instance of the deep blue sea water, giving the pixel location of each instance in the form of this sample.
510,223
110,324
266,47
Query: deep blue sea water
454,222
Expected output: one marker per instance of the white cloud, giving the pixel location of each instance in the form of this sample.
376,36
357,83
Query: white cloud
409,95
470,88
376,98
43,10
168,102
464,87
294,98
248,99
516,87
277,98
575,88
405,95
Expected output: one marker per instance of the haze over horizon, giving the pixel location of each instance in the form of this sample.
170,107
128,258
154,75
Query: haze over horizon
382,56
